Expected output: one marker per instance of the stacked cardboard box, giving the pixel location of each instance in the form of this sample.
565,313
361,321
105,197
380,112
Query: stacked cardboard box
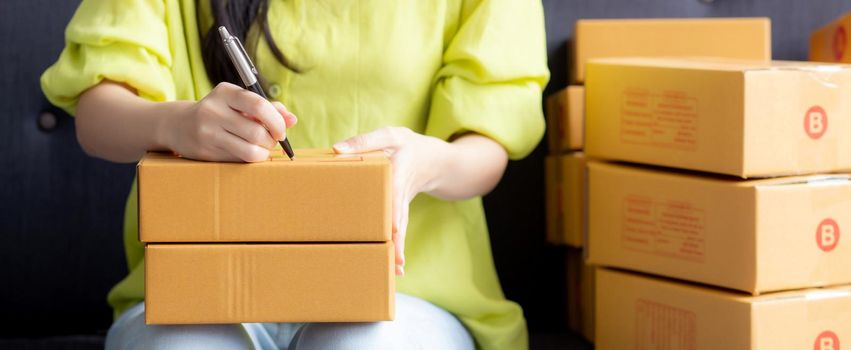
580,294
830,43
742,38
735,38
306,240
706,204
644,312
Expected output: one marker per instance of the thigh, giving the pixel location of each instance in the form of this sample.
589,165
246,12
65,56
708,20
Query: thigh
131,332
418,325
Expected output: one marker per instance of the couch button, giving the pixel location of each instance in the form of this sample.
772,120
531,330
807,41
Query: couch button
47,121
275,91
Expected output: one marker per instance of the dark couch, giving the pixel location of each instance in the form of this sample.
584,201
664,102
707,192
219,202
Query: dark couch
60,227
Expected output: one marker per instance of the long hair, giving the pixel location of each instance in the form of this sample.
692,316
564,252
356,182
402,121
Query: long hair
237,16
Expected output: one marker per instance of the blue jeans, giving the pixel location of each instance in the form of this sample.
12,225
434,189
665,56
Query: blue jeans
418,325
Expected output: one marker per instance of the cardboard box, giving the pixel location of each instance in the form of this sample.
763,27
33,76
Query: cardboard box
232,283
580,294
318,197
641,312
740,38
830,43
755,236
743,118
565,196
566,119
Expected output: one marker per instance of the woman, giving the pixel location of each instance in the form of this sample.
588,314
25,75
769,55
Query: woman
449,88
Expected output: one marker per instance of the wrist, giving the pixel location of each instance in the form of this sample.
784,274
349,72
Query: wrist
165,125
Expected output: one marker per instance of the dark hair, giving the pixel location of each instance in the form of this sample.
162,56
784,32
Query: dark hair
237,16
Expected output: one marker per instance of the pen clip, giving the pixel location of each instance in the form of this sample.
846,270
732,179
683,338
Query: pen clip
245,54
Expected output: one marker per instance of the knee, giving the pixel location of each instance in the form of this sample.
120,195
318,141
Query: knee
319,336
135,334
418,325
207,337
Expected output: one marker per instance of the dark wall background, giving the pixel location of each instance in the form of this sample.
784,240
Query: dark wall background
60,227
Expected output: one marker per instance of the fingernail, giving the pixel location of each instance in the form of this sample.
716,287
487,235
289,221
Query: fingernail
342,147
400,270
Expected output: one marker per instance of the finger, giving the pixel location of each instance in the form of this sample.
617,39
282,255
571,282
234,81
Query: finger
401,236
289,118
380,139
258,107
400,213
222,155
248,130
397,235
211,154
241,149
401,229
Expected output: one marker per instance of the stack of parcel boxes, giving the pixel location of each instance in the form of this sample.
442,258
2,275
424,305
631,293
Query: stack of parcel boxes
731,210
306,240
735,38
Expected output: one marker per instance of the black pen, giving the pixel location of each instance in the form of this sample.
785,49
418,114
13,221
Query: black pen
247,72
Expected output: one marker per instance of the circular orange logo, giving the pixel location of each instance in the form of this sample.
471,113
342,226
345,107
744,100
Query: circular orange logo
827,340
815,122
827,235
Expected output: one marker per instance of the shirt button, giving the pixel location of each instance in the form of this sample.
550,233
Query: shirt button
275,90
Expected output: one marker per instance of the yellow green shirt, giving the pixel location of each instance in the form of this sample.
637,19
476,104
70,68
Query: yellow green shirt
438,67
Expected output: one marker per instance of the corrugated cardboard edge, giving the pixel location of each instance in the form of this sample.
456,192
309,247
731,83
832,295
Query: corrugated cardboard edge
139,199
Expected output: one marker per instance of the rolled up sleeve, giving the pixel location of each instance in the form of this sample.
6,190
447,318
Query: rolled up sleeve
120,40
493,73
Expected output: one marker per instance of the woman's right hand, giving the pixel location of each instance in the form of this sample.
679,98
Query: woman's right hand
230,124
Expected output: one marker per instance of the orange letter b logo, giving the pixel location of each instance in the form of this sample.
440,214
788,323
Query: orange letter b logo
815,122
827,234
827,340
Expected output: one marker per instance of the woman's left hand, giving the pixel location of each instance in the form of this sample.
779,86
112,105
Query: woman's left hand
416,162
